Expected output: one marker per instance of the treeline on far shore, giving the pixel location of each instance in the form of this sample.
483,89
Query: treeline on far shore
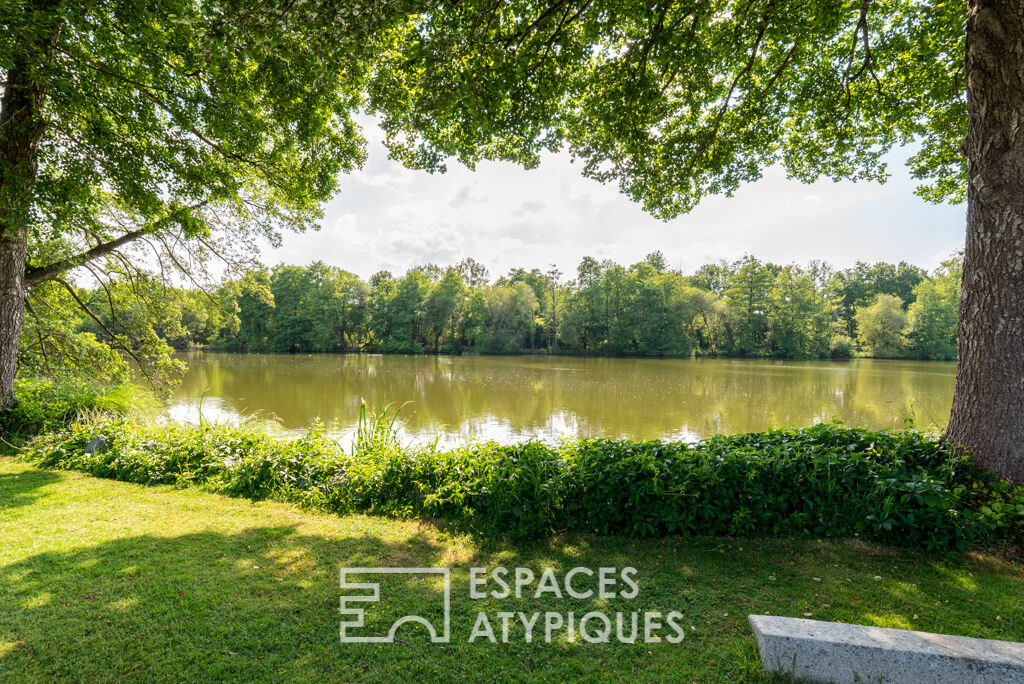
747,308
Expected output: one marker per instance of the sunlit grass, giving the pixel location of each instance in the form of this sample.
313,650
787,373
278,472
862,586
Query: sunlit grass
102,580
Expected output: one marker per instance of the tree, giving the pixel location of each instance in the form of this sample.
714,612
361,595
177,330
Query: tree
551,305
880,327
712,277
334,306
618,307
589,301
291,324
382,289
932,316
184,129
443,306
675,101
541,287
747,297
476,318
798,323
857,286
512,308
656,260
639,310
709,314
663,308
400,312
473,273
255,310
165,113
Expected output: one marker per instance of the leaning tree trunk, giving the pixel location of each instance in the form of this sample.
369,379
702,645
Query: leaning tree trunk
988,405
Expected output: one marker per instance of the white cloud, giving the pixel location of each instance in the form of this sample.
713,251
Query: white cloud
388,217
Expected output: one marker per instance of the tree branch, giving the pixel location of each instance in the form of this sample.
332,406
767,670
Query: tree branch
713,135
113,338
40,274
518,37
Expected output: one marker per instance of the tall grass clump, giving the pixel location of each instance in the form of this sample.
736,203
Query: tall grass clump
376,432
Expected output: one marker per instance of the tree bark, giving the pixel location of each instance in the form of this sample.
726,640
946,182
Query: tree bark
20,132
988,405
12,311
40,274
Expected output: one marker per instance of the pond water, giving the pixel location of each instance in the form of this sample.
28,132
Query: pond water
514,398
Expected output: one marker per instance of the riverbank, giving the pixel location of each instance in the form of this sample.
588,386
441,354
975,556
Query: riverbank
568,353
115,581
901,488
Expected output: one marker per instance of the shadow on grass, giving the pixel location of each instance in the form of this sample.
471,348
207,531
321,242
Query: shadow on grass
261,604
23,488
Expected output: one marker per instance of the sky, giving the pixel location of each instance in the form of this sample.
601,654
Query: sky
387,217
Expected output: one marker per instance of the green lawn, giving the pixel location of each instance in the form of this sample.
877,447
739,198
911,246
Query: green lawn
102,580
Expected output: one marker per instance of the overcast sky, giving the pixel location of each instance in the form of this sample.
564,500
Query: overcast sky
388,217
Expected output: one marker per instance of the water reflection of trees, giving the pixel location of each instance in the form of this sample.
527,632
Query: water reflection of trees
589,396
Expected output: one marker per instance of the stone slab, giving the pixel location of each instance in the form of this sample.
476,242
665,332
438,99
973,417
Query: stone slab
817,651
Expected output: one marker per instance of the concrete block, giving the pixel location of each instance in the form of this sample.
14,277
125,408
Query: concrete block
816,651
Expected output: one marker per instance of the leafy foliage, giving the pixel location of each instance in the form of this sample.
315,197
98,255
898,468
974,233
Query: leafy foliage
747,308
932,318
172,109
676,101
44,404
827,481
56,342
880,326
160,138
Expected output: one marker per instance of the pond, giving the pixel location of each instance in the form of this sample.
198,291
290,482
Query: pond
515,398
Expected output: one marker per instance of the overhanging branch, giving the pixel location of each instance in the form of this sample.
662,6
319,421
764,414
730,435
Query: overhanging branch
35,275
40,274
99,322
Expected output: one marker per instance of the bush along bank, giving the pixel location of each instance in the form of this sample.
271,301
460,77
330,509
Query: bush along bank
901,488
42,404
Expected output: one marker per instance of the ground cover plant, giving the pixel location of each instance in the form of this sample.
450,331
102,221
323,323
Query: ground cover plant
827,480
44,404
107,580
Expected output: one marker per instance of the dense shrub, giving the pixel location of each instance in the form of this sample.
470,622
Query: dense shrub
841,347
43,404
899,488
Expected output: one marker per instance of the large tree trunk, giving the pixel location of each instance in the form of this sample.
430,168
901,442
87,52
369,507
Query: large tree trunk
988,406
12,310
20,131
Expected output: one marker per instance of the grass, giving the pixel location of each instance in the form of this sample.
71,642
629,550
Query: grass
103,580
